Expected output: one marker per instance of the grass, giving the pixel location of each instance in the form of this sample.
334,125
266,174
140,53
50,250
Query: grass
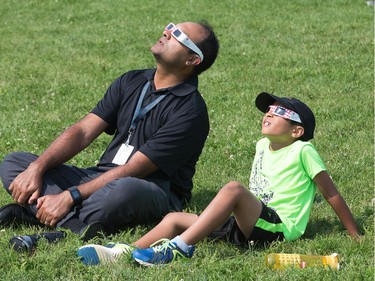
58,57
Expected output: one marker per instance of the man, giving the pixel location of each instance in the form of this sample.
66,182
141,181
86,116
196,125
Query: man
160,123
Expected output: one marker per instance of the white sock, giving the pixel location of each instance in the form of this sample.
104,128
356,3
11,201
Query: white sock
181,244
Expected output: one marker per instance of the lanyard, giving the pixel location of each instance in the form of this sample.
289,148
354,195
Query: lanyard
140,113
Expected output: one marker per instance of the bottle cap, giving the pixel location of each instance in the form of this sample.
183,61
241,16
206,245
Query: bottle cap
334,261
21,243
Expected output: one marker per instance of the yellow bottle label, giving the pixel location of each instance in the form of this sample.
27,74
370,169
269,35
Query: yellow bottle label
277,261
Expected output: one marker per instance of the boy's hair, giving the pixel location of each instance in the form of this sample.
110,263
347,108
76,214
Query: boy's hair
264,100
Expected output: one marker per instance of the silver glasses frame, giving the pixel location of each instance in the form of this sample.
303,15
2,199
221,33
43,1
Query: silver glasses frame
181,37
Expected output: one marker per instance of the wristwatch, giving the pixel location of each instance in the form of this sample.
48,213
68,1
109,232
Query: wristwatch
76,195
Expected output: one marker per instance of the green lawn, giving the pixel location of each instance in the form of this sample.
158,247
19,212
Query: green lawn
57,58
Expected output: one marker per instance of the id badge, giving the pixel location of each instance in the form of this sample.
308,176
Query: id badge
123,154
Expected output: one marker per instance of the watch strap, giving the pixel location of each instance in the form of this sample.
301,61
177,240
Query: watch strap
76,195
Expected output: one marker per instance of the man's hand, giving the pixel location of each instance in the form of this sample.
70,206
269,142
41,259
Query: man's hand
26,187
52,208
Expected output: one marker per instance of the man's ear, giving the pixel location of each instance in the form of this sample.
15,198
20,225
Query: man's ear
193,60
298,132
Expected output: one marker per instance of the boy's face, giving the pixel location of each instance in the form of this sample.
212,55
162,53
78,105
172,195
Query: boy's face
279,129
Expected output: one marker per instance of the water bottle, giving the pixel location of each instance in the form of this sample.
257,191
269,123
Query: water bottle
279,261
29,242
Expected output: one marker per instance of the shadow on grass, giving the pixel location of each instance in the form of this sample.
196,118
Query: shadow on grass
321,227
201,199
325,227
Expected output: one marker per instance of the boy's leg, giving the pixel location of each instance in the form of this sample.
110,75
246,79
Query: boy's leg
233,197
172,225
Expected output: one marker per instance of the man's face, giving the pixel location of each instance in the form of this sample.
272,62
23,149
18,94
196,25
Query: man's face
181,37
169,50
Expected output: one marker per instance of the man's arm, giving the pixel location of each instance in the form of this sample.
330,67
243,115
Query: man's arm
139,166
26,186
338,204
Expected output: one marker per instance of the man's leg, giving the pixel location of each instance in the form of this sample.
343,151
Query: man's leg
54,181
14,164
126,202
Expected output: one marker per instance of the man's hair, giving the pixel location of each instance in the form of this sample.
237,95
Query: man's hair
209,47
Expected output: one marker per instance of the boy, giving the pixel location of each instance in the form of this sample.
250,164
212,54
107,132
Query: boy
285,173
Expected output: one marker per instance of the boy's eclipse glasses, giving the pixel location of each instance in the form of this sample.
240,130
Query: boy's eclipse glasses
284,113
184,39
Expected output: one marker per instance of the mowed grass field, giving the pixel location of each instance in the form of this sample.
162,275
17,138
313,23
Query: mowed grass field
57,59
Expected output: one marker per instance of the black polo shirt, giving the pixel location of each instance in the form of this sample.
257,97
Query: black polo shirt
171,135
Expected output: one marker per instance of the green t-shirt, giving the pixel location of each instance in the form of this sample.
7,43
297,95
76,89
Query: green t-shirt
282,179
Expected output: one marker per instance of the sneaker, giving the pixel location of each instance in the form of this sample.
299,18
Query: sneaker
164,253
17,215
96,254
95,229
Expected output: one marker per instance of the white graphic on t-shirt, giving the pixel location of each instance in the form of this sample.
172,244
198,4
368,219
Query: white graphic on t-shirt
258,183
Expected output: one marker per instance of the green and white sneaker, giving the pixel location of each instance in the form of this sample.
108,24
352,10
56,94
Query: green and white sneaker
93,254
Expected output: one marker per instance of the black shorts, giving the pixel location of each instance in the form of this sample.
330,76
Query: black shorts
230,231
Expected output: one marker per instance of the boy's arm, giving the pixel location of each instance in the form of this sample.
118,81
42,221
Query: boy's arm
338,204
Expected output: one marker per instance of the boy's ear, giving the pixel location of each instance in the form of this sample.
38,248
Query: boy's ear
298,132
